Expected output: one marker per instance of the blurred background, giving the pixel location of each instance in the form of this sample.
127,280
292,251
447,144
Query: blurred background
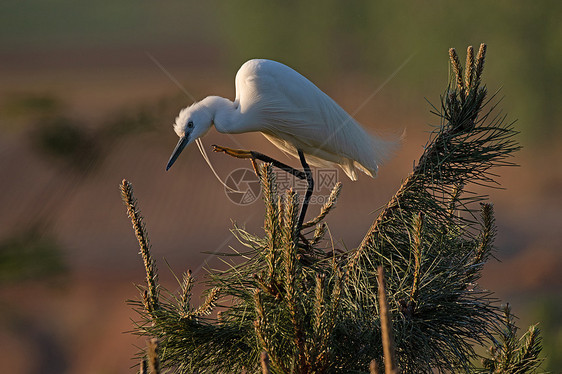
88,94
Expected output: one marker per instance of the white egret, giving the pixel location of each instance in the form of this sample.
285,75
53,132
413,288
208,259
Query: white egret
293,114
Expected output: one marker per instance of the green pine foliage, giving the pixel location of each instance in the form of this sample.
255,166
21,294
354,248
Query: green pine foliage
432,237
290,302
511,355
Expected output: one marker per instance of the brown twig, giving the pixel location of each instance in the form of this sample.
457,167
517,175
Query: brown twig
153,360
418,226
373,367
264,360
143,367
390,366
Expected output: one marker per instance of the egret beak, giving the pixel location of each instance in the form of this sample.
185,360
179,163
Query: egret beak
184,140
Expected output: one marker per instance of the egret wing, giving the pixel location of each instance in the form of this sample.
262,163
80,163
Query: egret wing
293,113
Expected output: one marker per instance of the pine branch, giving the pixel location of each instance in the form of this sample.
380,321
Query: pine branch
319,233
153,360
459,153
373,367
320,335
290,243
210,302
143,367
134,214
264,359
327,207
487,234
480,64
511,355
386,327
470,67
272,214
442,310
186,286
417,253
457,68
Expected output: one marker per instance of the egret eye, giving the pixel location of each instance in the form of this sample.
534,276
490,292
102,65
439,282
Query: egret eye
190,125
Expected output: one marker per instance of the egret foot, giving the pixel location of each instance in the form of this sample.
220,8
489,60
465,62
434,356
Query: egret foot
238,153
253,155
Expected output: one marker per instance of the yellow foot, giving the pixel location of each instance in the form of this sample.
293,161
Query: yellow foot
238,153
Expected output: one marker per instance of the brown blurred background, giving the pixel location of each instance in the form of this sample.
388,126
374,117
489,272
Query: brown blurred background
88,94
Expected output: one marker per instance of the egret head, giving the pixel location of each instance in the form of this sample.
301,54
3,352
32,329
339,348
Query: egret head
193,122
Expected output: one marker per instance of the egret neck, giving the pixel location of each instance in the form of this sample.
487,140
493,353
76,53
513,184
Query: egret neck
227,116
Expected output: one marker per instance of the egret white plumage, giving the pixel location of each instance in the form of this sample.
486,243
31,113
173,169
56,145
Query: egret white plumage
293,114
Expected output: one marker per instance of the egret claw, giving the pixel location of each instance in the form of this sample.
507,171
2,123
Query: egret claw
238,153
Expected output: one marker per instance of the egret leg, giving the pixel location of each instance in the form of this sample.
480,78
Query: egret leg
253,155
310,189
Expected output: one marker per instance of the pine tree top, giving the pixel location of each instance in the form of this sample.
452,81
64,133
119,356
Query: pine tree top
314,309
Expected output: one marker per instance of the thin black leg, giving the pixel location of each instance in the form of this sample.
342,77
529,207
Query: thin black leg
278,164
239,153
309,191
